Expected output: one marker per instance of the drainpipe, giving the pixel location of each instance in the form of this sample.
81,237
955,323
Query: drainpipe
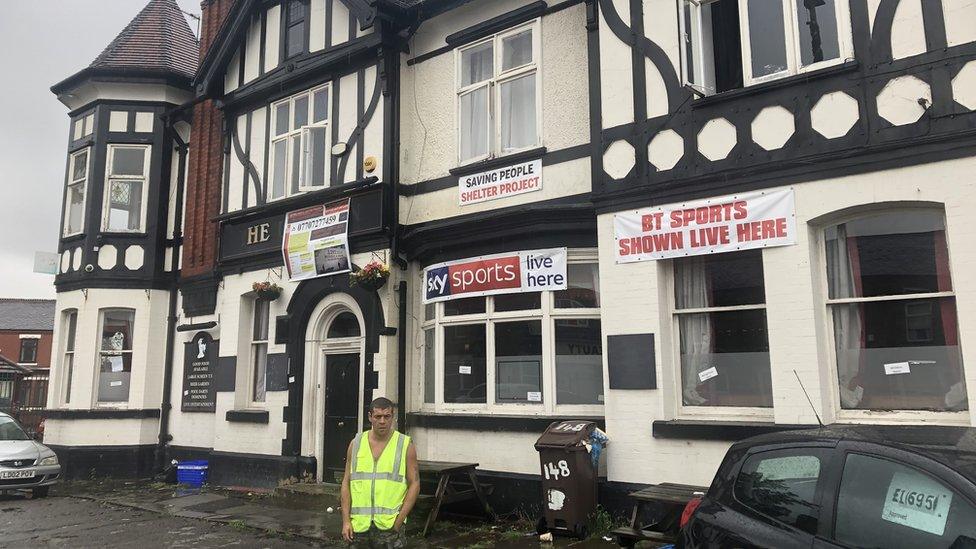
166,404
402,356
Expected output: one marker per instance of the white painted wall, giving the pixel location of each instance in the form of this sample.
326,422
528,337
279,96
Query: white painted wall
635,300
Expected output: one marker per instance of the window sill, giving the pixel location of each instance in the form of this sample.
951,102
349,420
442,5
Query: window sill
727,431
247,416
103,413
498,162
845,67
492,422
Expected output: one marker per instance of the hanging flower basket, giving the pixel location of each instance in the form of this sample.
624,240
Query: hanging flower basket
372,277
266,291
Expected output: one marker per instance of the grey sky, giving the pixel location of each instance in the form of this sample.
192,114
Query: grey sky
43,42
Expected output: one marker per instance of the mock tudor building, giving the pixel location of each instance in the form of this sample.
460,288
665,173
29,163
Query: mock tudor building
714,225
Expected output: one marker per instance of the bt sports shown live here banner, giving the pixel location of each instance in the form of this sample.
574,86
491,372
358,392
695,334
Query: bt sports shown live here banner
761,219
509,273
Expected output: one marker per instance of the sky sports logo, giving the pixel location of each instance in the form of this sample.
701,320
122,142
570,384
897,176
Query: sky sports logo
529,271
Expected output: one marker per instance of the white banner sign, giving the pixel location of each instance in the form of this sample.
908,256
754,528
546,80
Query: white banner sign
495,184
724,224
316,241
515,272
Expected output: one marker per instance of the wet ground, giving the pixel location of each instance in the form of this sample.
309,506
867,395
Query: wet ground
146,515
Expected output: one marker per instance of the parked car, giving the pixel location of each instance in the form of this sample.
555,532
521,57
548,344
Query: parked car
24,463
890,487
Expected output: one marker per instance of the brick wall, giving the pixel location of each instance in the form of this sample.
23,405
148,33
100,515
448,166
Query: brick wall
10,346
206,164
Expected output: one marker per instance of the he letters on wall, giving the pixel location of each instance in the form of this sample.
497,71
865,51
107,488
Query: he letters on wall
513,272
316,241
724,224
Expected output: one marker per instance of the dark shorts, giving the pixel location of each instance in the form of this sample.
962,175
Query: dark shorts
374,538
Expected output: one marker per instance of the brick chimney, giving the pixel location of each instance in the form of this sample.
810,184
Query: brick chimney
203,185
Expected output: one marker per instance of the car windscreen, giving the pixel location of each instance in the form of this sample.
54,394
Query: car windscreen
9,430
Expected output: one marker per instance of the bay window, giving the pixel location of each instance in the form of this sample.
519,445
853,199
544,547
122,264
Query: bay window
498,96
533,352
126,189
74,205
893,313
115,354
300,143
720,315
727,44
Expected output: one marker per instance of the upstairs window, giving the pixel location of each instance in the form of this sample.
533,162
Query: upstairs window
126,188
74,203
295,22
28,349
300,143
498,96
728,44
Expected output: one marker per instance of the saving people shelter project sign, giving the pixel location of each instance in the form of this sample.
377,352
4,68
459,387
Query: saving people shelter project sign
316,241
494,184
761,219
513,272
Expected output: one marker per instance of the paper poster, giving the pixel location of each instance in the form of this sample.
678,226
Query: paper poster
534,396
464,370
724,224
916,501
316,241
509,273
896,368
705,375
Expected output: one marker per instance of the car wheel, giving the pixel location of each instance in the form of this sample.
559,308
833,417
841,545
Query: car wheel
40,492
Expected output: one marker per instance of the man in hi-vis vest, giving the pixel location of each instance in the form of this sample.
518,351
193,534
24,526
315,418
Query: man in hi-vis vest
381,483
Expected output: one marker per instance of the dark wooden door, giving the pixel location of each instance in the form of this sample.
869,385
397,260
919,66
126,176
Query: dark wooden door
341,411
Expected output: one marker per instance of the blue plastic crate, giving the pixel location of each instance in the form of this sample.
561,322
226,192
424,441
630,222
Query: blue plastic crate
193,473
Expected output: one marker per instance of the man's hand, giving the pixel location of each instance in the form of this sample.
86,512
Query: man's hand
347,533
398,523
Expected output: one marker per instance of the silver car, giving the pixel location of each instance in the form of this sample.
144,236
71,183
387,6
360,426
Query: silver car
24,463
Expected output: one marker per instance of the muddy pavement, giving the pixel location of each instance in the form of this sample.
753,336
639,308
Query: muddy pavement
77,523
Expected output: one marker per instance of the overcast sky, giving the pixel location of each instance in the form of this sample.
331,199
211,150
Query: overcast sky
34,124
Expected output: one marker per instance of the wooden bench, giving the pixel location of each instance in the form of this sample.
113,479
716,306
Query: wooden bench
673,498
448,491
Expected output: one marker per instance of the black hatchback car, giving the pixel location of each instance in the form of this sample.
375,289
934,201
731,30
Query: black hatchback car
886,487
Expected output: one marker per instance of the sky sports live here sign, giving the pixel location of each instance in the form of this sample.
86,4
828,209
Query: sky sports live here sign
492,185
724,224
514,272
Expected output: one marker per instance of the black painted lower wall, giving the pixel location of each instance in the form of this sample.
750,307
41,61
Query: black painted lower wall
247,470
85,462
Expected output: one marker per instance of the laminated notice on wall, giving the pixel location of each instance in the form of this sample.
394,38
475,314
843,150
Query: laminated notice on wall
464,370
916,501
705,375
316,241
896,368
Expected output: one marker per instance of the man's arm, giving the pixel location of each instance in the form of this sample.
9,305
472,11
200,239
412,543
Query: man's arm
413,487
345,497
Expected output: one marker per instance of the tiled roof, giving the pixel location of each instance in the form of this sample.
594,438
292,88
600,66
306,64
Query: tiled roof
158,39
26,314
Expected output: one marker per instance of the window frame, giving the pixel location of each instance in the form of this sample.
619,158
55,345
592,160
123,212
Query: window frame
302,133
286,26
98,358
83,126
547,314
109,179
68,344
947,417
494,84
703,51
72,182
682,411
253,346
35,340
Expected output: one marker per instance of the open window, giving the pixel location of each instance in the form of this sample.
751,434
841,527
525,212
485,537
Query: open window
300,143
729,44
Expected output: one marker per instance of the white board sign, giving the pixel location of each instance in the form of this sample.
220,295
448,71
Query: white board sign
508,181
731,223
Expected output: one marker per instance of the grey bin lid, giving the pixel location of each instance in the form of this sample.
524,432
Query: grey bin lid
565,434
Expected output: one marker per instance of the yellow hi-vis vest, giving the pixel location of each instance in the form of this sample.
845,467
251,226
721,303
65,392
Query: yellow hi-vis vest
377,487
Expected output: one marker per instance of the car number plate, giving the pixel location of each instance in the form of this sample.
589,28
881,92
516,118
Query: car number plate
16,474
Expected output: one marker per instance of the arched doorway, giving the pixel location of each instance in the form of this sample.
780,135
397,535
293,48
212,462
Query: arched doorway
333,403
